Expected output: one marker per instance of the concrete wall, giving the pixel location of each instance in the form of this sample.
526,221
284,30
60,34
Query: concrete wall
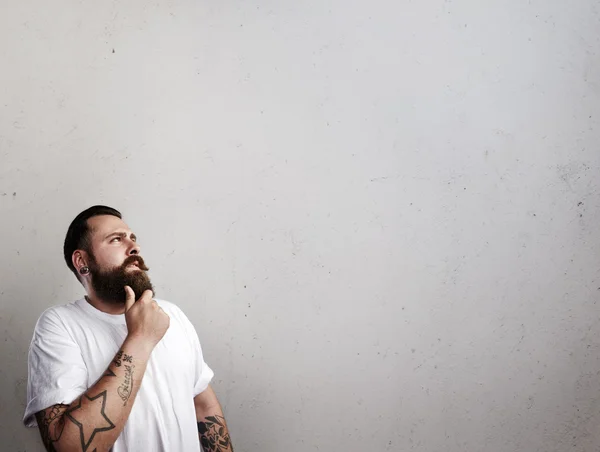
382,217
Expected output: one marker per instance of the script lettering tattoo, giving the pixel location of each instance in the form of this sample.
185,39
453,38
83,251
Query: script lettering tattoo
97,404
118,358
214,436
127,358
51,425
126,387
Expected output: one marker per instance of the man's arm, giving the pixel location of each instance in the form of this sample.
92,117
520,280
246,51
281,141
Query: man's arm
212,428
95,420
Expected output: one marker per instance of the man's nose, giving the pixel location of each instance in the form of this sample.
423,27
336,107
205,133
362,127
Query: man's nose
134,249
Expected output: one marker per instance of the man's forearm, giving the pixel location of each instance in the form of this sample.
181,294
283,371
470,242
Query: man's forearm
95,420
213,431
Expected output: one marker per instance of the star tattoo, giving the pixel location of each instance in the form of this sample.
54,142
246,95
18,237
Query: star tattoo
86,432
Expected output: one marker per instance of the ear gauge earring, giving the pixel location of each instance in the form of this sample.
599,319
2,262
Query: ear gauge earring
84,270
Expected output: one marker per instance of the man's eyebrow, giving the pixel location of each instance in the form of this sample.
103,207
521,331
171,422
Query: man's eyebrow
117,234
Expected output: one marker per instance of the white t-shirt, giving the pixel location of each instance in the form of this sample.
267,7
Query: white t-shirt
71,349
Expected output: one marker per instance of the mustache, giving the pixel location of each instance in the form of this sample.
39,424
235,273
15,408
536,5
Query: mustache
135,260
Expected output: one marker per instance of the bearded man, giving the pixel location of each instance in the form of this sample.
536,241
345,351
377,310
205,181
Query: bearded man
91,359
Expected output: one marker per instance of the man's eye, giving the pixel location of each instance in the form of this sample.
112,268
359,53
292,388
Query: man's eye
116,238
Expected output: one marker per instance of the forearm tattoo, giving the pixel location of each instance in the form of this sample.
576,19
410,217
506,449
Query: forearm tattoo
121,356
214,435
52,421
51,424
77,416
126,387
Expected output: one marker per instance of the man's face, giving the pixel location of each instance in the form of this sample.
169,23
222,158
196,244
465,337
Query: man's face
115,260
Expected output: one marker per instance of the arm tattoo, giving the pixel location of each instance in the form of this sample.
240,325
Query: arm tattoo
51,424
118,358
87,433
126,387
214,436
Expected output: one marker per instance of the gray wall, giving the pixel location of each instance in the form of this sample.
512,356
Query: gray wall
382,217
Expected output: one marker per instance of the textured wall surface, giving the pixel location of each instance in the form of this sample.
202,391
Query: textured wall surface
382,217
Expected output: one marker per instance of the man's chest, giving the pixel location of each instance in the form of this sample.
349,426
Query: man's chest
171,359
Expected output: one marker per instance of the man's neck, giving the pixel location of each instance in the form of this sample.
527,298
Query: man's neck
104,306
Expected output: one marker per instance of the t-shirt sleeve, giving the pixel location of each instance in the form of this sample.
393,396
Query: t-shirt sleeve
56,371
203,374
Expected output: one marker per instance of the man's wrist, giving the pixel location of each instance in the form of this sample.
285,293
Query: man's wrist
138,347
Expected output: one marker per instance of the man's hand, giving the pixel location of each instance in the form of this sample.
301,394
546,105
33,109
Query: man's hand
145,319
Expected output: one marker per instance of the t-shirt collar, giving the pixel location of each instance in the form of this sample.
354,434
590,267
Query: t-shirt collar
91,310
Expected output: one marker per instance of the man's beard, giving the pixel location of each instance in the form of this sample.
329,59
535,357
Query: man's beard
110,285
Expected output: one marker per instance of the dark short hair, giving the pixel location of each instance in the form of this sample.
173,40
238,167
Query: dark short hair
78,234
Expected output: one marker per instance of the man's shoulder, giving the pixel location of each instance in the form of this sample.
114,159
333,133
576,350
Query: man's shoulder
57,316
61,310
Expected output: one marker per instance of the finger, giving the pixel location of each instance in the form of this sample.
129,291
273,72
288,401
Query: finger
129,298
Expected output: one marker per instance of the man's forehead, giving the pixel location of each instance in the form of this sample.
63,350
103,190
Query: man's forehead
106,224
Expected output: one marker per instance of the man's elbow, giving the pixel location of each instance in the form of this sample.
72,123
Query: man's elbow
206,401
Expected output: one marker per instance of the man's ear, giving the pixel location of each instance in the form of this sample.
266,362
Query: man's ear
80,259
